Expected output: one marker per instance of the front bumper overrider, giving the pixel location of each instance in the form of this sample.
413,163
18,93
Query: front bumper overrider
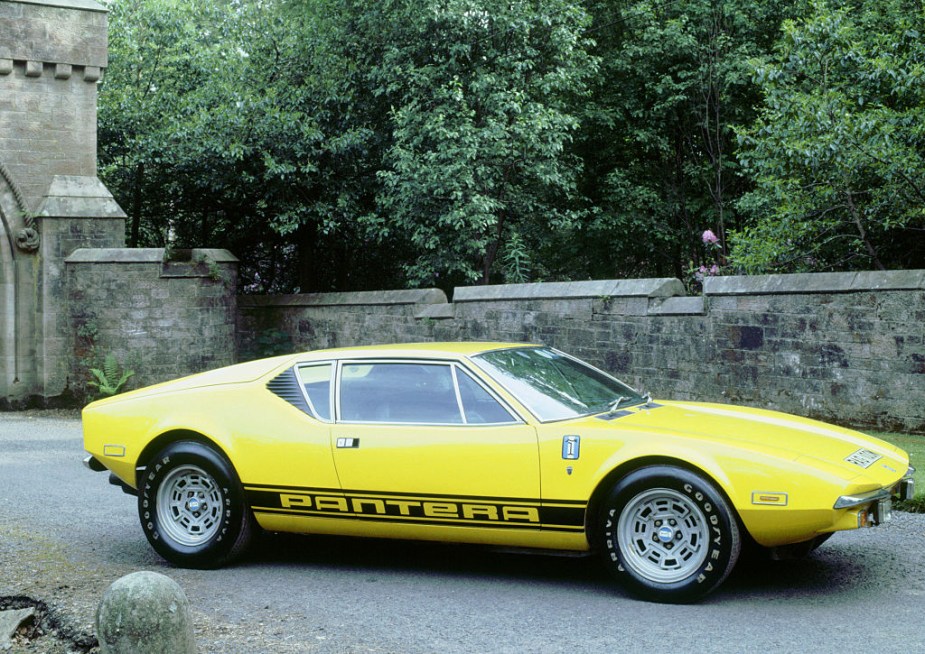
876,506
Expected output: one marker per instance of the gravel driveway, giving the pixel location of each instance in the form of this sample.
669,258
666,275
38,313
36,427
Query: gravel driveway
66,534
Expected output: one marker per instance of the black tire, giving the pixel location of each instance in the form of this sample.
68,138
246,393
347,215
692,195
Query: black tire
192,509
668,534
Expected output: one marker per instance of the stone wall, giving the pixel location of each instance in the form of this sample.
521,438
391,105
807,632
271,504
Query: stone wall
847,348
161,318
270,325
72,217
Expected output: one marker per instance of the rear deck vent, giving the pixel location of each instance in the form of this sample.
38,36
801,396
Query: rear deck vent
287,387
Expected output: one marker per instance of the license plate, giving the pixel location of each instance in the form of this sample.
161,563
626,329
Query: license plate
863,458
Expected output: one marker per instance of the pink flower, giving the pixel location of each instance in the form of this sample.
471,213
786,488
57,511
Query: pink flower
709,237
714,269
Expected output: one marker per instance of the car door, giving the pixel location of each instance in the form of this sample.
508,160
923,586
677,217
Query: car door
425,442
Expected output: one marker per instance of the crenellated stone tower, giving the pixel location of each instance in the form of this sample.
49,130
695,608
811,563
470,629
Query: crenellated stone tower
52,55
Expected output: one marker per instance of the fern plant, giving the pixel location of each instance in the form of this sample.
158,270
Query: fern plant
110,379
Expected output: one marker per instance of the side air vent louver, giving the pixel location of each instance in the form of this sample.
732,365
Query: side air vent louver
287,387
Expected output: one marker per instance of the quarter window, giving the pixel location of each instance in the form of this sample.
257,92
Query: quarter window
316,380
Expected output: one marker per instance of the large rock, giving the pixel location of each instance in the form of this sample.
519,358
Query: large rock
145,613
10,622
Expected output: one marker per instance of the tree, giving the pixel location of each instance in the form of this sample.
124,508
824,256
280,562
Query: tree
158,53
657,137
838,150
188,130
342,145
433,131
482,107
234,125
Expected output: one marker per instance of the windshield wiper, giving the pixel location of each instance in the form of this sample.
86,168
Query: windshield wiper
614,406
617,404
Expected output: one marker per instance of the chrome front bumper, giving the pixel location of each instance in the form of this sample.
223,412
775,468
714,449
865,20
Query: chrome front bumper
876,507
903,490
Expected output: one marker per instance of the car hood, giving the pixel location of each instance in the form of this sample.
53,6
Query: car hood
788,436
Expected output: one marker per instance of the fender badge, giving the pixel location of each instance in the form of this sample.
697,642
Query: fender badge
571,446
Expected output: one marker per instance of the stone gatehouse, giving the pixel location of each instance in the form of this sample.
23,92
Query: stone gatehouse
53,53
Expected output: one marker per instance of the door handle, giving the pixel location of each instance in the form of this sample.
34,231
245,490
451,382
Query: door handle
348,442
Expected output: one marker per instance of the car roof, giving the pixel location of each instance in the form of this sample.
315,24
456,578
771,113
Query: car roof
439,349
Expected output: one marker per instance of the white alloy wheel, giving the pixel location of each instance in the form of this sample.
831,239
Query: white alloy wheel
189,505
663,535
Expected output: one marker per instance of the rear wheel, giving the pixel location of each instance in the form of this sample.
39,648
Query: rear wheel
669,535
191,506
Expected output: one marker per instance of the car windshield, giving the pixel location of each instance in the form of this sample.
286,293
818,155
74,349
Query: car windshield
555,386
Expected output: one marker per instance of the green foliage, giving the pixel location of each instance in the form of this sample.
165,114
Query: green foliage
481,95
340,145
657,139
517,262
160,57
838,150
110,379
402,141
214,121
915,505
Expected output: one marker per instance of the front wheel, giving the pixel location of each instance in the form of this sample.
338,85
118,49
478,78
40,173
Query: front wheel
669,535
191,506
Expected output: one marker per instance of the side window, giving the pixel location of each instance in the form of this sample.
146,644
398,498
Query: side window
316,380
480,406
409,393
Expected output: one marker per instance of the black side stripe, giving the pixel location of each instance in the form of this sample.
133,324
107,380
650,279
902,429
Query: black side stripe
418,496
566,515
420,521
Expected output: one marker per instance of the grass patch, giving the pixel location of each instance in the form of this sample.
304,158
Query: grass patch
915,446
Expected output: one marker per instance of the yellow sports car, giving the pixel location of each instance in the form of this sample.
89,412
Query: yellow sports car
499,444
